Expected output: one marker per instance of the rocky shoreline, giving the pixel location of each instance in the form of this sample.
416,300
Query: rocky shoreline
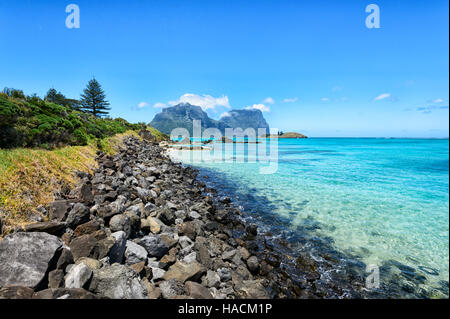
141,227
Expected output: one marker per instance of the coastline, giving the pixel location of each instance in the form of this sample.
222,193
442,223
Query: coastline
333,273
174,234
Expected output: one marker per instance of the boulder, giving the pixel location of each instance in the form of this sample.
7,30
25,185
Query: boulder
53,228
253,264
56,278
120,223
78,215
25,258
197,291
78,276
64,259
87,228
253,289
154,246
58,210
183,271
16,292
118,249
172,288
134,253
118,282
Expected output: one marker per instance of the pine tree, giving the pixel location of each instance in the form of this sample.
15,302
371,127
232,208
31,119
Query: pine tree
93,99
59,98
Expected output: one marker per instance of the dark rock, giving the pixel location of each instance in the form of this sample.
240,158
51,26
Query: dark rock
64,293
26,257
86,195
117,251
16,292
56,278
87,228
197,291
78,215
83,246
53,228
58,210
154,245
253,264
252,230
65,259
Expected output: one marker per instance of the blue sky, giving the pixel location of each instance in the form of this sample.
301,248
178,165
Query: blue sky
312,66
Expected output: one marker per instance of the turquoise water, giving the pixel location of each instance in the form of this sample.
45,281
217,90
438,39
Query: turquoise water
379,199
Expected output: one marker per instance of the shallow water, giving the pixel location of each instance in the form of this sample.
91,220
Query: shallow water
385,201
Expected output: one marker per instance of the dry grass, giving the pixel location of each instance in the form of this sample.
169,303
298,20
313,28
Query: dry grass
31,177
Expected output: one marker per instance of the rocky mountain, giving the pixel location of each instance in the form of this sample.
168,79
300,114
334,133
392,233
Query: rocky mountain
243,119
182,115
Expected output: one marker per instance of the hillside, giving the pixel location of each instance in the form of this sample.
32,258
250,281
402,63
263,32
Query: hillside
183,115
32,122
43,145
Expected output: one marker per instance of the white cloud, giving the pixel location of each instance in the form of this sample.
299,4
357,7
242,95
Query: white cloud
438,101
225,114
260,107
336,88
325,99
269,100
143,104
382,96
204,101
290,100
159,105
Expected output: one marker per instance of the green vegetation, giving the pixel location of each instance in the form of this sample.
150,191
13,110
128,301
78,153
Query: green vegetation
28,121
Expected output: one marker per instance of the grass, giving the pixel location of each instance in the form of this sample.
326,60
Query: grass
30,177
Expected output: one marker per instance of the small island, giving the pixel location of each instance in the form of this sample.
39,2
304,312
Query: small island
286,135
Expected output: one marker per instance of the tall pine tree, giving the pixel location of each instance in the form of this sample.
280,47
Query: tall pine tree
93,100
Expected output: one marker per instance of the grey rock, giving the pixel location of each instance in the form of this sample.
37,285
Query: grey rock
134,253
224,274
78,276
172,288
212,279
158,274
194,215
118,282
26,257
120,223
190,258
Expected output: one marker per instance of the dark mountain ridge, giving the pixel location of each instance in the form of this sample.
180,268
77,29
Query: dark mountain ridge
183,115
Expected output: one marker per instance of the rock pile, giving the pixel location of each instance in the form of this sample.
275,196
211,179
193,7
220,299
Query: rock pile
140,227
